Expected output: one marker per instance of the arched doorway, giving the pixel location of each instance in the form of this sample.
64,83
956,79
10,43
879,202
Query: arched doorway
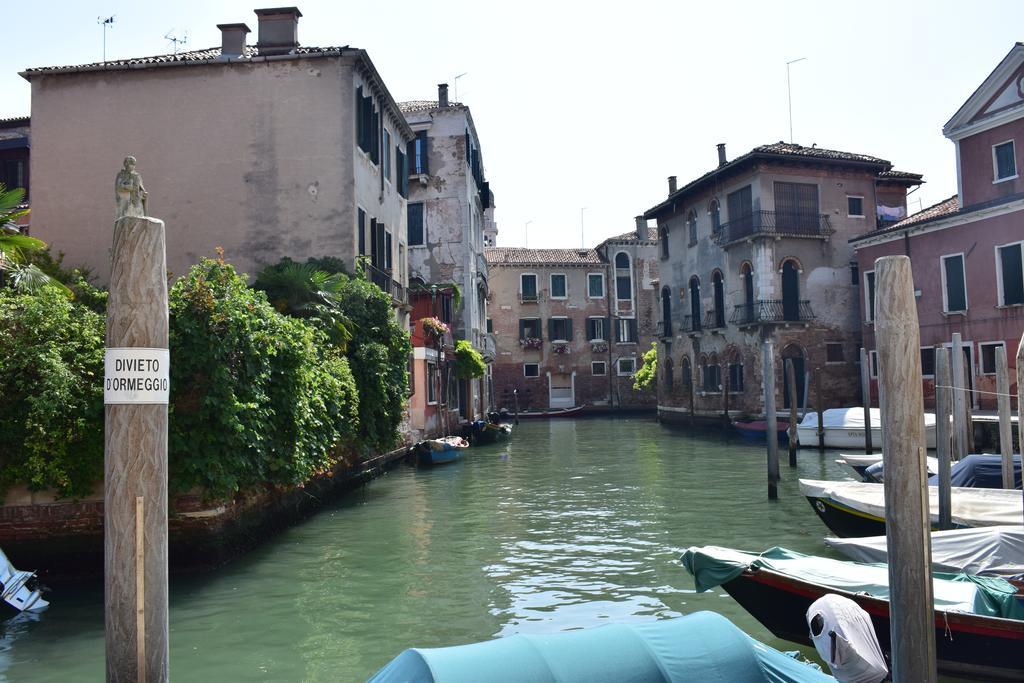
719,287
668,373
695,303
793,355
666,312
790,291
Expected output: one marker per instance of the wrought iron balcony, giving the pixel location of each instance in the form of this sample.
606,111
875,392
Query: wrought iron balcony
664,328
774,224
714,319
382,279
771,311
691,324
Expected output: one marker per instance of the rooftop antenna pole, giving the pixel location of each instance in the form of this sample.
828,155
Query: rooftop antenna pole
583,240
455,86
106,23
526,234
789,96
176,40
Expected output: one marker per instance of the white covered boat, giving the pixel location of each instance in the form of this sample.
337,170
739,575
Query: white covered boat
860,462
844,428
994,550
20,589
854,508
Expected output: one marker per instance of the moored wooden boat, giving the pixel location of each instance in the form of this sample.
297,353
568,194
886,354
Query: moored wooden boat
482,433
439,451
854,508
758,429
562,412
976,636
844,428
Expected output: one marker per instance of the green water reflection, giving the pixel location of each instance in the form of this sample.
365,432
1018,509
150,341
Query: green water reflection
573,524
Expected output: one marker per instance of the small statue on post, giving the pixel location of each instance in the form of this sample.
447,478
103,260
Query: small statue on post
129,194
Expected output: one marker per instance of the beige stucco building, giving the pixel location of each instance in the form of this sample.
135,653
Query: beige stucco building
268,151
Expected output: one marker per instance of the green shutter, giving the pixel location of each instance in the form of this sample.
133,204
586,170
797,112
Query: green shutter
568,329
551,329
522,329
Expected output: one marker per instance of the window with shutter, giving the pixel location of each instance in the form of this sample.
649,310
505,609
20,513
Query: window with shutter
953,281
419,156
386,166
796,206
387,251
528,287
415,224
361,231
1003,158
1011,274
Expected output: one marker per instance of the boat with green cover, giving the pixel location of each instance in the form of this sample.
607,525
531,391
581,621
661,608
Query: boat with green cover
979,621
703,646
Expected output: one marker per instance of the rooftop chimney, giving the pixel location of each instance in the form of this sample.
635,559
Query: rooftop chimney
279,30
721,154
442,95
641,228
232,40
671,184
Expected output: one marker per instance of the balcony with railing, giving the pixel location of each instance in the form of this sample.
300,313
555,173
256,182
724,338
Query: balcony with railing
664,328
772,311
691,324
774,224
714,320
383,279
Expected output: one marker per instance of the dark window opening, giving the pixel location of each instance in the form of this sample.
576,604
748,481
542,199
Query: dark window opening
415,220
956,288
1012,266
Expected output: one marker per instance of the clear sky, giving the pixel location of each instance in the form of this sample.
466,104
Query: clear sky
594,104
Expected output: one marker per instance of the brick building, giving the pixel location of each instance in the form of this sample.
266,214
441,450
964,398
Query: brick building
572,324
967,251
450,203
757,249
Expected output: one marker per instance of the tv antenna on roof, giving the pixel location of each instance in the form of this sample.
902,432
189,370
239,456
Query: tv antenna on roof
106,23
455,86
176,40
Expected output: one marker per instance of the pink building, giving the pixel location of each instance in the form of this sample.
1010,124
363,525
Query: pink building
967,251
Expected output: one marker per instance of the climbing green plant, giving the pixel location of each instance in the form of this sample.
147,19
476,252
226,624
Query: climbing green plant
469,364
256,396
51,395
644,377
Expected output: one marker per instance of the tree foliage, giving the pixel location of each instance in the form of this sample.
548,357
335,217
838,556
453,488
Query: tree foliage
51,394
257,397
645,376
469,364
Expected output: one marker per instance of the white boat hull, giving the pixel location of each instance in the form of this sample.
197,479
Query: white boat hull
846,437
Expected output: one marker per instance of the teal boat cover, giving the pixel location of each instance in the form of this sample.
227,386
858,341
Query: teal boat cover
703,646
986,596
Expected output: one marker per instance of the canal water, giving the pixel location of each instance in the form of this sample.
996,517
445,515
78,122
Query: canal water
573,524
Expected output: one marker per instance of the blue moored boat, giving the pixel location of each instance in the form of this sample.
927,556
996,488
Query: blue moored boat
439,451
703,646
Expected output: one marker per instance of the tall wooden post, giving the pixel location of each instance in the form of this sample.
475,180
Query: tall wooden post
969,382
865,384
1005,424
1020,396
960,425
135,472
725,393
820,405
791,380
771,419
943,434
907,521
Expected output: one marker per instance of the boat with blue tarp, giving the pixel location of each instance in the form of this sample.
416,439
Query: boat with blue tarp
439,451
703,646
975,471
979,621
482,432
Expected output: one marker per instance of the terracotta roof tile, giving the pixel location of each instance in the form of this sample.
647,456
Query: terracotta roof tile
946,207
524,256
652,234
208,55
413,106
793,150
900,175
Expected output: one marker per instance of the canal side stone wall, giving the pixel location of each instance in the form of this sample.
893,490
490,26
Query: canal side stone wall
63,540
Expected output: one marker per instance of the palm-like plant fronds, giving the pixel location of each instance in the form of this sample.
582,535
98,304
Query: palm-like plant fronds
303,291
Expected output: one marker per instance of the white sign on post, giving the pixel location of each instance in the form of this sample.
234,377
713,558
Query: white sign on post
136,376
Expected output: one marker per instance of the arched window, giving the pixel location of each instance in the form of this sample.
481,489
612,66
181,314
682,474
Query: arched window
747,312
668,373
716,216
691,226
719,292
695,312
735,373
663,240
712,374
623,277
666,312
686,372
790,290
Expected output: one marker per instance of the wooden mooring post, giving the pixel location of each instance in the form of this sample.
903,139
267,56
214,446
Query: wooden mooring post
820,406
1020,397
865,389
907,523
1005,423
943,435
960,397
791,381
771,419
136,385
